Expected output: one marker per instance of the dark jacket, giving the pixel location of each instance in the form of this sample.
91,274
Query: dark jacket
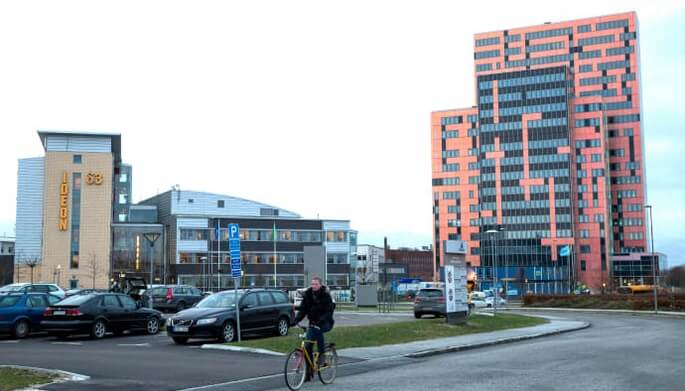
317,307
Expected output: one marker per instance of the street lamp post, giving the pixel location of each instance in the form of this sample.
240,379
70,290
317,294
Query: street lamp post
492,233
654,275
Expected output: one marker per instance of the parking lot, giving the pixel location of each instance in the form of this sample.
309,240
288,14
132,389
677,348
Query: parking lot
140,361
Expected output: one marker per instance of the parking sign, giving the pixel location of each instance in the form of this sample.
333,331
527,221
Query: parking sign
234,246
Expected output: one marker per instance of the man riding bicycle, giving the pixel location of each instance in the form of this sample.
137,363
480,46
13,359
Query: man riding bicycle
317,305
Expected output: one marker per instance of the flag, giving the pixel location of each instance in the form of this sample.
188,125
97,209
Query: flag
565,251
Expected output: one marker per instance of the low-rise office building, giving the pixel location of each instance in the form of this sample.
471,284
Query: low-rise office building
6,260
278,247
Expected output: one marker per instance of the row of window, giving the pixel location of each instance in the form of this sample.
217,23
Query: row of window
563,157
627,76
534,94
450,167
512,38
590,143
545,46
483,67
487,41
626,194
605,93
451,120
598,80
486,54
560,172
547,143
265,235
618,105
543,123
539,60
585,68
450,134
624,180
450,153
594,158
589,54
520,81
581,123
549,33
620,50
619,119
584,28
598,40
445,181
450,195
619,152
614,24
629,221
512,51
605,66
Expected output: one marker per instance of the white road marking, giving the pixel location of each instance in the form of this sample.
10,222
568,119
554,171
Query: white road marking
146,344
11,341
68,343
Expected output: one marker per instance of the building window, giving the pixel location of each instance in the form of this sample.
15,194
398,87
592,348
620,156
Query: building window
73,284
585,249
75,220
78,159
123,178
190,200
123,199
122,217
583,266
220,204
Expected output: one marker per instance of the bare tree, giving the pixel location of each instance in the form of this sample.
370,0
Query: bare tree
93,267
676,277
31,262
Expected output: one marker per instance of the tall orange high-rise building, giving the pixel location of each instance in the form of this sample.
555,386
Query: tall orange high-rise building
551,157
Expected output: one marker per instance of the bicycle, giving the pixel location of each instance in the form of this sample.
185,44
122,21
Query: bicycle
296,363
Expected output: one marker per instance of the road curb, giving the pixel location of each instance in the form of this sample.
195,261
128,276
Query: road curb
459,348
671,314
217,346
64,375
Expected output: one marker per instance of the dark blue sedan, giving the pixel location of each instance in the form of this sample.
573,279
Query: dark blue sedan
21,313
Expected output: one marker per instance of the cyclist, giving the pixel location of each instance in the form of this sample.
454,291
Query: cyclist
317,305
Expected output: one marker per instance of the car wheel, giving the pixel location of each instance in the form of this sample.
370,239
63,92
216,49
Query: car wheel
21,329
152,326
489,305
283,327
180,306
99,329
180,340
417,315
228,332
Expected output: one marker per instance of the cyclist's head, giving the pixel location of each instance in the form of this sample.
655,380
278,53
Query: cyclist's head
316,283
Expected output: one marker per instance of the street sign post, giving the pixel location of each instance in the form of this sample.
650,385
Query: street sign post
234,246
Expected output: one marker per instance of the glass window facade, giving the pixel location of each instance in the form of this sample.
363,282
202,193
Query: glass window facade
75,220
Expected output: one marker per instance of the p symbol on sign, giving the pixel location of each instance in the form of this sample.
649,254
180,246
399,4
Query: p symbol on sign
234,230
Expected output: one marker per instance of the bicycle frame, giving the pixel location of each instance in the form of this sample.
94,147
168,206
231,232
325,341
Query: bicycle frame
312,363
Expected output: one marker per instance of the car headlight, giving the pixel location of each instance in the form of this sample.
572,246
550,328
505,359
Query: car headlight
206,321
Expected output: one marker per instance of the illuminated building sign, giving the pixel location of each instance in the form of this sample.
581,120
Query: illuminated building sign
94,178
63,203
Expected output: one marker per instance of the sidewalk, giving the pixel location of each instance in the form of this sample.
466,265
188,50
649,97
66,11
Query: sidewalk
596,310
452,344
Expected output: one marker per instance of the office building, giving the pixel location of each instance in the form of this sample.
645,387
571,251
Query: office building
6,260
419,262
551,157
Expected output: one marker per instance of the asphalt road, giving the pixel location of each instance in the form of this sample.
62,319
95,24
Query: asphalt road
619,352
142,362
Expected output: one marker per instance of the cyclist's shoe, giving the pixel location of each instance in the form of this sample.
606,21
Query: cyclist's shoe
322,361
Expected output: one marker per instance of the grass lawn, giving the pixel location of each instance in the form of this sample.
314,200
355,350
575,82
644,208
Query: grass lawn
14,378
399,332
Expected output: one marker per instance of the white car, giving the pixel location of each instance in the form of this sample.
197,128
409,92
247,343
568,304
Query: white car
500,302
52,289
477,300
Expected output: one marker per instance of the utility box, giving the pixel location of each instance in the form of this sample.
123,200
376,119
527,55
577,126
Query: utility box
366,295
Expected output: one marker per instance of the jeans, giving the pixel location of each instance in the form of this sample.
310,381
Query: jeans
317,335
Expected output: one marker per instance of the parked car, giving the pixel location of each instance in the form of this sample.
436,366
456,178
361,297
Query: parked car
262,310
97,313
173,297
134,287
72,292
430,301
21,313
500,301
52,289
476,300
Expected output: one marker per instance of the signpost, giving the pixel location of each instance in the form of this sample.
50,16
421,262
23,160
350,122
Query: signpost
234,246
456,291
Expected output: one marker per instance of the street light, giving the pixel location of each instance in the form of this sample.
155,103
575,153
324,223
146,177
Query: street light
492,233
654,276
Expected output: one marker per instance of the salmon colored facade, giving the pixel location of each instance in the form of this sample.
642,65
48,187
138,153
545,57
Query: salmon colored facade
557,147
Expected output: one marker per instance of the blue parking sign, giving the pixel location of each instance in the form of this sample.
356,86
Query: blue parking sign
234,246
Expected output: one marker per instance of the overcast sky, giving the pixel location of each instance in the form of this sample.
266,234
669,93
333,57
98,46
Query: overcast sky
317,107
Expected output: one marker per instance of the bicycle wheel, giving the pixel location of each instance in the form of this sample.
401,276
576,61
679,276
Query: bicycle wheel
295,369
329,366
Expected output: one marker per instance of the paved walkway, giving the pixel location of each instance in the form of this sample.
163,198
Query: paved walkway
463,342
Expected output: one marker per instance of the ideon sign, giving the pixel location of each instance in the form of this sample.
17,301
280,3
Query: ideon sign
63,203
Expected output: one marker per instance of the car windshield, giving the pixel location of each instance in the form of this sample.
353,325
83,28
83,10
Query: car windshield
430,293
220,300
75,300
9,301
12,288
